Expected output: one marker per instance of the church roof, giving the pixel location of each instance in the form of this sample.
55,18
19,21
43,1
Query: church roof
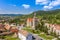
30,19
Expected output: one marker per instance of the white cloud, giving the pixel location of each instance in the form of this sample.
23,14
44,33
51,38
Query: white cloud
48,4
55,3
26,6
52,4
42,1
47,7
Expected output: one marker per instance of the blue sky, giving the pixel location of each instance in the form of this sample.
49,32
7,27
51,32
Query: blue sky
27,6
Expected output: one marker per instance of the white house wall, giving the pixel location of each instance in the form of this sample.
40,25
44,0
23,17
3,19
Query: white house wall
22,37
58,32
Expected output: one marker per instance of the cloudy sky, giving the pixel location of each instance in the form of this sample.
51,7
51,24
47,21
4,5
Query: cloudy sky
27,6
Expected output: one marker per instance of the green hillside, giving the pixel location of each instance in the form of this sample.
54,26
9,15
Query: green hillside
52,16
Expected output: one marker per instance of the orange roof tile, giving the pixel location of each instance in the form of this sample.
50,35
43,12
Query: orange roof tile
6,33
2,27
56,26
7,26
30,19
14,30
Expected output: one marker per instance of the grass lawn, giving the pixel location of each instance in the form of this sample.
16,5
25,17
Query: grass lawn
46,37
11,38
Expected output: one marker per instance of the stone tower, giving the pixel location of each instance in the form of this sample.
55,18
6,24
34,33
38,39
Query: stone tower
34,19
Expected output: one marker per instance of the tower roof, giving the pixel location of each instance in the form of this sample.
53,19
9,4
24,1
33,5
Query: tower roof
29,19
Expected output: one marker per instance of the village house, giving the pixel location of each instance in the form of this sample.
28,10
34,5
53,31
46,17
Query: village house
20,27
7,26
2,29
32,22
6,29
24,35
13,25
53,28
14,31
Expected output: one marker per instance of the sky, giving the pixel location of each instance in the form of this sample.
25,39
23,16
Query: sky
27,6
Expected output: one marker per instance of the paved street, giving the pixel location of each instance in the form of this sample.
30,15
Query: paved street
37,37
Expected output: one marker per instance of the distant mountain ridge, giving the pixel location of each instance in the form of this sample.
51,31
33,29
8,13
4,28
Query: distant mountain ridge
10,14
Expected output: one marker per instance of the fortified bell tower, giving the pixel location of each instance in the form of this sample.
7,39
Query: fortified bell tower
34,21
34,15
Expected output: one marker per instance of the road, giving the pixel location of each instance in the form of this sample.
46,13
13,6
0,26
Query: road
37,37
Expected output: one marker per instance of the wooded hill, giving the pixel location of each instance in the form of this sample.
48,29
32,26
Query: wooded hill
52,16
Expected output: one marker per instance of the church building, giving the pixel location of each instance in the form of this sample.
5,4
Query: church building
32,22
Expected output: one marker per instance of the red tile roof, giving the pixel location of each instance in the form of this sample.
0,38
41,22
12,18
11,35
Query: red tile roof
6,33
14,30
56,26
7,26
2,27
29,19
